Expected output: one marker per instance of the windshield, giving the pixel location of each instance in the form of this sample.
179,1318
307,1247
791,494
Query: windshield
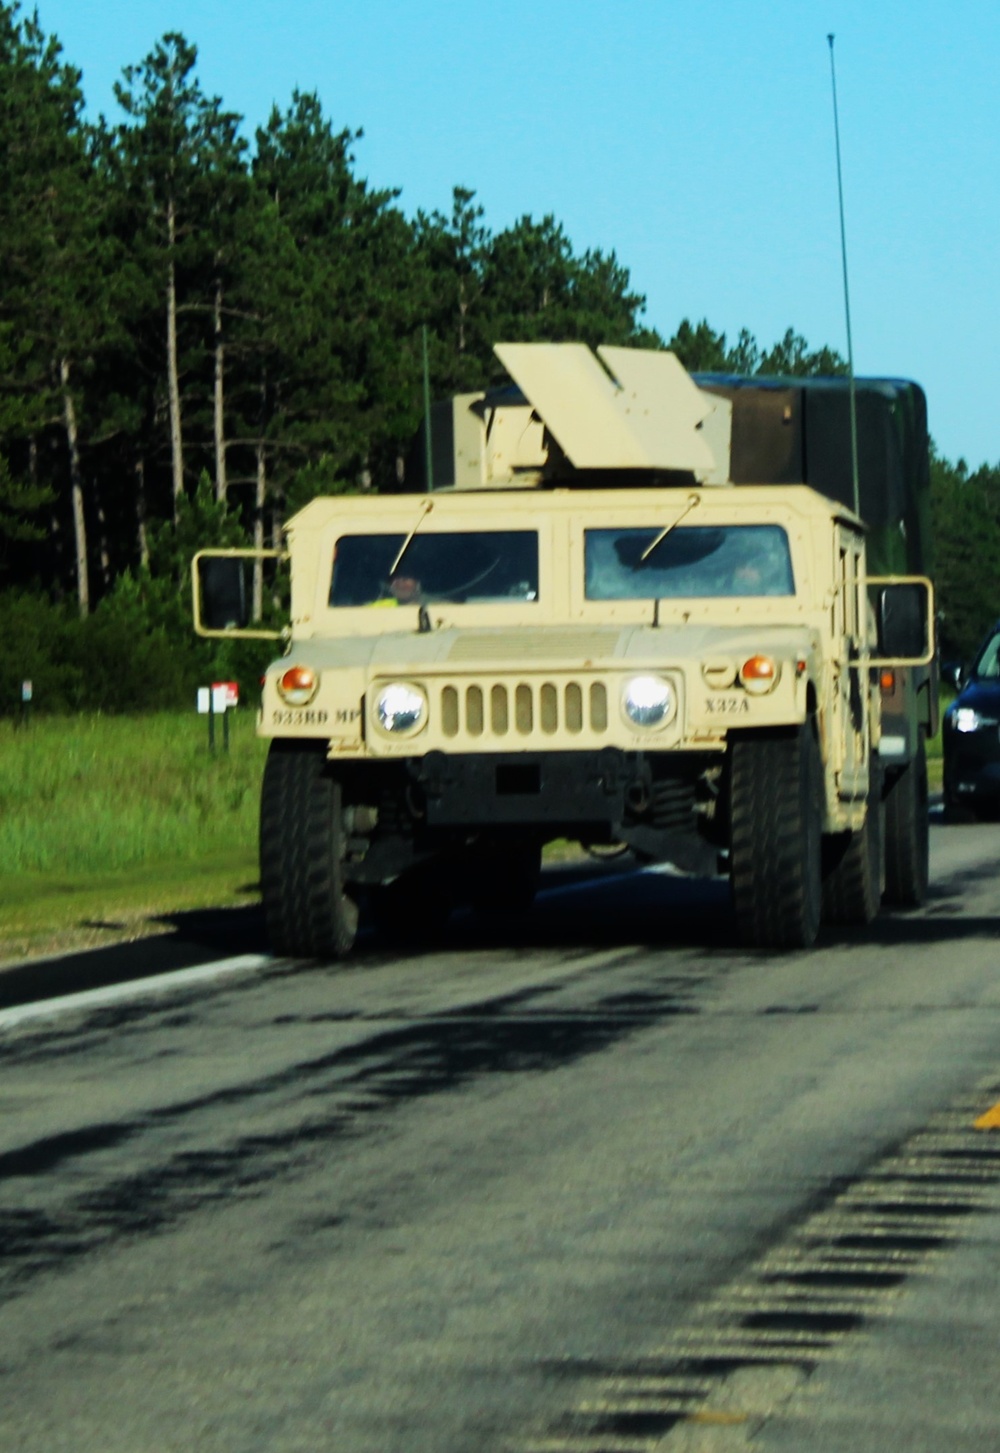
495,565
693,560
987,667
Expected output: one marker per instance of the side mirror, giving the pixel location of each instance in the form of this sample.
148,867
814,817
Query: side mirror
221,596
222,592
902,613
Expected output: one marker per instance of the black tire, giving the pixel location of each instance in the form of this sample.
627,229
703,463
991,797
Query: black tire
907,835
310,909
775,836
503,877
853,866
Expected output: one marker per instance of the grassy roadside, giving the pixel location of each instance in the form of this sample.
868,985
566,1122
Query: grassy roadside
88,910
935,761
109,823
106,822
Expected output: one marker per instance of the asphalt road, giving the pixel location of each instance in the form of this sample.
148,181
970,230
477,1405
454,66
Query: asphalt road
594,1181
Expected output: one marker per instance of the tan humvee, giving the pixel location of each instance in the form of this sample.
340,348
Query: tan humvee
566,647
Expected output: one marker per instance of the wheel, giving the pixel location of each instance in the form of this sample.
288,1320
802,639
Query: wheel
775,834
907,835
503,876
853,865
310,908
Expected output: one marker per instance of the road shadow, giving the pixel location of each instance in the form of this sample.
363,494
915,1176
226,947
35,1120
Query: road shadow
609,905
582,904
188,939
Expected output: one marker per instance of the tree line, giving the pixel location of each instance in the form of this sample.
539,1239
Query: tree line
199,333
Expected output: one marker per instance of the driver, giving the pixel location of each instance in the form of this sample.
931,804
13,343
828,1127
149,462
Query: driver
405,589
402,589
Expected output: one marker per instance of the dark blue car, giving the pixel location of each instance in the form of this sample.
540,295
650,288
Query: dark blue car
971,735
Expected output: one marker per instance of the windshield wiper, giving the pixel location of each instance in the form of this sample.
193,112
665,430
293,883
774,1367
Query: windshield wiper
425,511
693,499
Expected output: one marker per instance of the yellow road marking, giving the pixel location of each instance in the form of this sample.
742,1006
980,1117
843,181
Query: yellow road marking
989,1121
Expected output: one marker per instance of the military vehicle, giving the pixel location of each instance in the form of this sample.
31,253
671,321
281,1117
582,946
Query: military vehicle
591,624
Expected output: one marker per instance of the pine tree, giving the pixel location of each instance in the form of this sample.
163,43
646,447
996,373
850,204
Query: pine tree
177,159
52,255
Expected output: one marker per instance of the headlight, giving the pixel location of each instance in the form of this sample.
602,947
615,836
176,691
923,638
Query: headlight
648,701
298,685
400,708
968,719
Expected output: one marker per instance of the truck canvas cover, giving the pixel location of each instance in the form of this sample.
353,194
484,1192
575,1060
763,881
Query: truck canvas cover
797,431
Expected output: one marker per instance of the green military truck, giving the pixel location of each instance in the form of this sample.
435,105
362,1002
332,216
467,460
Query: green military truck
799,430
593,626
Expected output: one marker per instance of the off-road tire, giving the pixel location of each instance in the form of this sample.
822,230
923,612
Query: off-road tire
853,866
775,794
310,909
907,835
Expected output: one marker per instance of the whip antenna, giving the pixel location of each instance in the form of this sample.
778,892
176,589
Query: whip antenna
852,391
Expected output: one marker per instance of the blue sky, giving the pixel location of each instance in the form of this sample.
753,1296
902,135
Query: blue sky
695,140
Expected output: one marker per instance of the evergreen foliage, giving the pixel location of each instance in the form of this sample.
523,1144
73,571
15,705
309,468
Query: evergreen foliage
198,335
965,514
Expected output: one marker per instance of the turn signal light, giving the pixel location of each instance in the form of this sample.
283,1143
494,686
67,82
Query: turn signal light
759,675
298,685
887,680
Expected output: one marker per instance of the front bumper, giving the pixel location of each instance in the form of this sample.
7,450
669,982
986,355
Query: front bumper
586,788
972,765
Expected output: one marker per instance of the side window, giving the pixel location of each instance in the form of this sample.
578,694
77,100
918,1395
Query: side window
861,607
851,594
840,608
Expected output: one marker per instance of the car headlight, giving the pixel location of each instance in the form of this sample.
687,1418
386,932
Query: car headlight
649,701
400,708
968,719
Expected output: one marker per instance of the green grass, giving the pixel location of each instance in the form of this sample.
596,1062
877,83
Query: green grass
935,762
115,820
83,794
108,817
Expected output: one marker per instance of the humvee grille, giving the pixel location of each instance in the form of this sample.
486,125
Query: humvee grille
524,709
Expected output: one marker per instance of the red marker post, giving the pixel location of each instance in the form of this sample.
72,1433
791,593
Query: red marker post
216,700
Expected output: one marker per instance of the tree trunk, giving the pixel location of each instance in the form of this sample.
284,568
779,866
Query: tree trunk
76,487
103,549
142,535
221,484
173,382
258,532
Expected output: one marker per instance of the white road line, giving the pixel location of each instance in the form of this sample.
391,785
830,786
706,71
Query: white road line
134,989
244,963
